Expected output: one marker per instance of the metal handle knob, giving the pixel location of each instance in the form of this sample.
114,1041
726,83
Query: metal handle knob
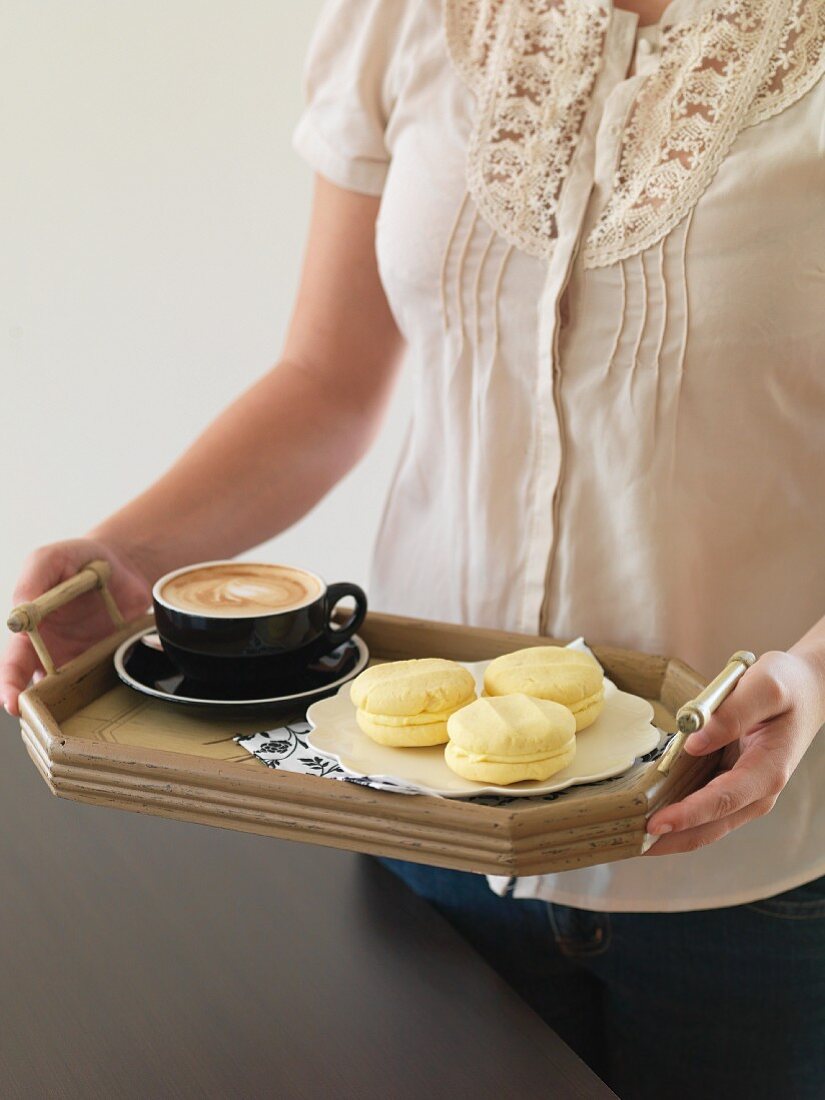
694,714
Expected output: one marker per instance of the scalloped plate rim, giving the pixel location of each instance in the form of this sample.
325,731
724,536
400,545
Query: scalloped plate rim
472,790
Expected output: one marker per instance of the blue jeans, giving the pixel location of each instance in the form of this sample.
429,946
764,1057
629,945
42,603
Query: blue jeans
714,1003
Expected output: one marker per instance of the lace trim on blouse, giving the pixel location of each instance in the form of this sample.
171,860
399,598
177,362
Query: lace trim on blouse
532,65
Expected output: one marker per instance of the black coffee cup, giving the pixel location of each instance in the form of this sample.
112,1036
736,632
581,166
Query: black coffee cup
220,622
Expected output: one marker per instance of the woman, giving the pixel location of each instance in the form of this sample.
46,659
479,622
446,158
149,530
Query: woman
600,231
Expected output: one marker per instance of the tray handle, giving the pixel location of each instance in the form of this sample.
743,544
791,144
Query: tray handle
695,713
27,616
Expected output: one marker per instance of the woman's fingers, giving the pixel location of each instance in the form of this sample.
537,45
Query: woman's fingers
758,702
759,696
690,840
75,627
757,777
41,571
17,666
769,720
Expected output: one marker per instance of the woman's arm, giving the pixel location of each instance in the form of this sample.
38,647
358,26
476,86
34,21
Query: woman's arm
765,726
289,439
263,463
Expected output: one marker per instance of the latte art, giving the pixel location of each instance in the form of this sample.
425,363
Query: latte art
236,590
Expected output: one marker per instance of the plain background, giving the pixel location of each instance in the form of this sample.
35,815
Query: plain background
154,215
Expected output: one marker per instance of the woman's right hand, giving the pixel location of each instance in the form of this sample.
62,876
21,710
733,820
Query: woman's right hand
70,630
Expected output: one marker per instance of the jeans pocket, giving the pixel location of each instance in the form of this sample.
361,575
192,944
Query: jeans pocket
806,902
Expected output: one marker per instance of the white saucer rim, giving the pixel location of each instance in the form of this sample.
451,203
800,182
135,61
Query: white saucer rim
332,688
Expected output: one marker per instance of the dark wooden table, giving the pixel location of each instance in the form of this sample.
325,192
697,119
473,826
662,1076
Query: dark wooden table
147,958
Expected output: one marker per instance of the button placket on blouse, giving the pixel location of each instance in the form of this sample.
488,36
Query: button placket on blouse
646,59
620,49
605,137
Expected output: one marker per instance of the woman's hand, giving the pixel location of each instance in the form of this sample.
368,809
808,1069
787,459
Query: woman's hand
73,628
263,463
764,727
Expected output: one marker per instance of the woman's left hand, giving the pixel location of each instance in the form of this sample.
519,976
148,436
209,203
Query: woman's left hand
764,727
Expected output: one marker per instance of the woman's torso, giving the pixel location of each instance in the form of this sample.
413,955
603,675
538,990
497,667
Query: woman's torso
612,289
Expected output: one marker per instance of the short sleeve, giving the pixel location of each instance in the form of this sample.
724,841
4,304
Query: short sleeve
348,89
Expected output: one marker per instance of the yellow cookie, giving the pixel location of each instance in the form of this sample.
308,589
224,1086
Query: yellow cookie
407,703
509,738
562,675
407,736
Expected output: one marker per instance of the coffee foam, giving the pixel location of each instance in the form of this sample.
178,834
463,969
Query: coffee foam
240,590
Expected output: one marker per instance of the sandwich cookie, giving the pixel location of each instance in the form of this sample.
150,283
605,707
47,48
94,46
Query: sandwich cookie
552,672
407,703
510,738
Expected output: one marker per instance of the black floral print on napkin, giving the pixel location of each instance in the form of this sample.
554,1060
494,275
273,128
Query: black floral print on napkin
275,746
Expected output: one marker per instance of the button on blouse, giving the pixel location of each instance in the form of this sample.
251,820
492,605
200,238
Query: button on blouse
605,246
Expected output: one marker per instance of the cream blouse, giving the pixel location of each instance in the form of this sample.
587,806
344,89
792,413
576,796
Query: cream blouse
605,247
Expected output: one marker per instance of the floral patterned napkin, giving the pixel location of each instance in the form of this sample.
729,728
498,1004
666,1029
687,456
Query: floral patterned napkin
286,749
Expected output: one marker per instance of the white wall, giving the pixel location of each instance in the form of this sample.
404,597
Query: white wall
153,215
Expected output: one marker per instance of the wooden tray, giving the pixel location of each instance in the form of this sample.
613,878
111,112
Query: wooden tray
95,740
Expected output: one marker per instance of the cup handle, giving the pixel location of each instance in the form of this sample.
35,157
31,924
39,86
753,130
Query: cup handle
336,592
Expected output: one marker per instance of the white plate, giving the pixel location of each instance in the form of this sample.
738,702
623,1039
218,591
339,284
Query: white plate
607,748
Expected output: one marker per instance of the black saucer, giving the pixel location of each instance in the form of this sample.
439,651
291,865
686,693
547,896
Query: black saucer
150,671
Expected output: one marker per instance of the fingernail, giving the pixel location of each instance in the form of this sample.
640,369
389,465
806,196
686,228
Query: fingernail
698,740
657,830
